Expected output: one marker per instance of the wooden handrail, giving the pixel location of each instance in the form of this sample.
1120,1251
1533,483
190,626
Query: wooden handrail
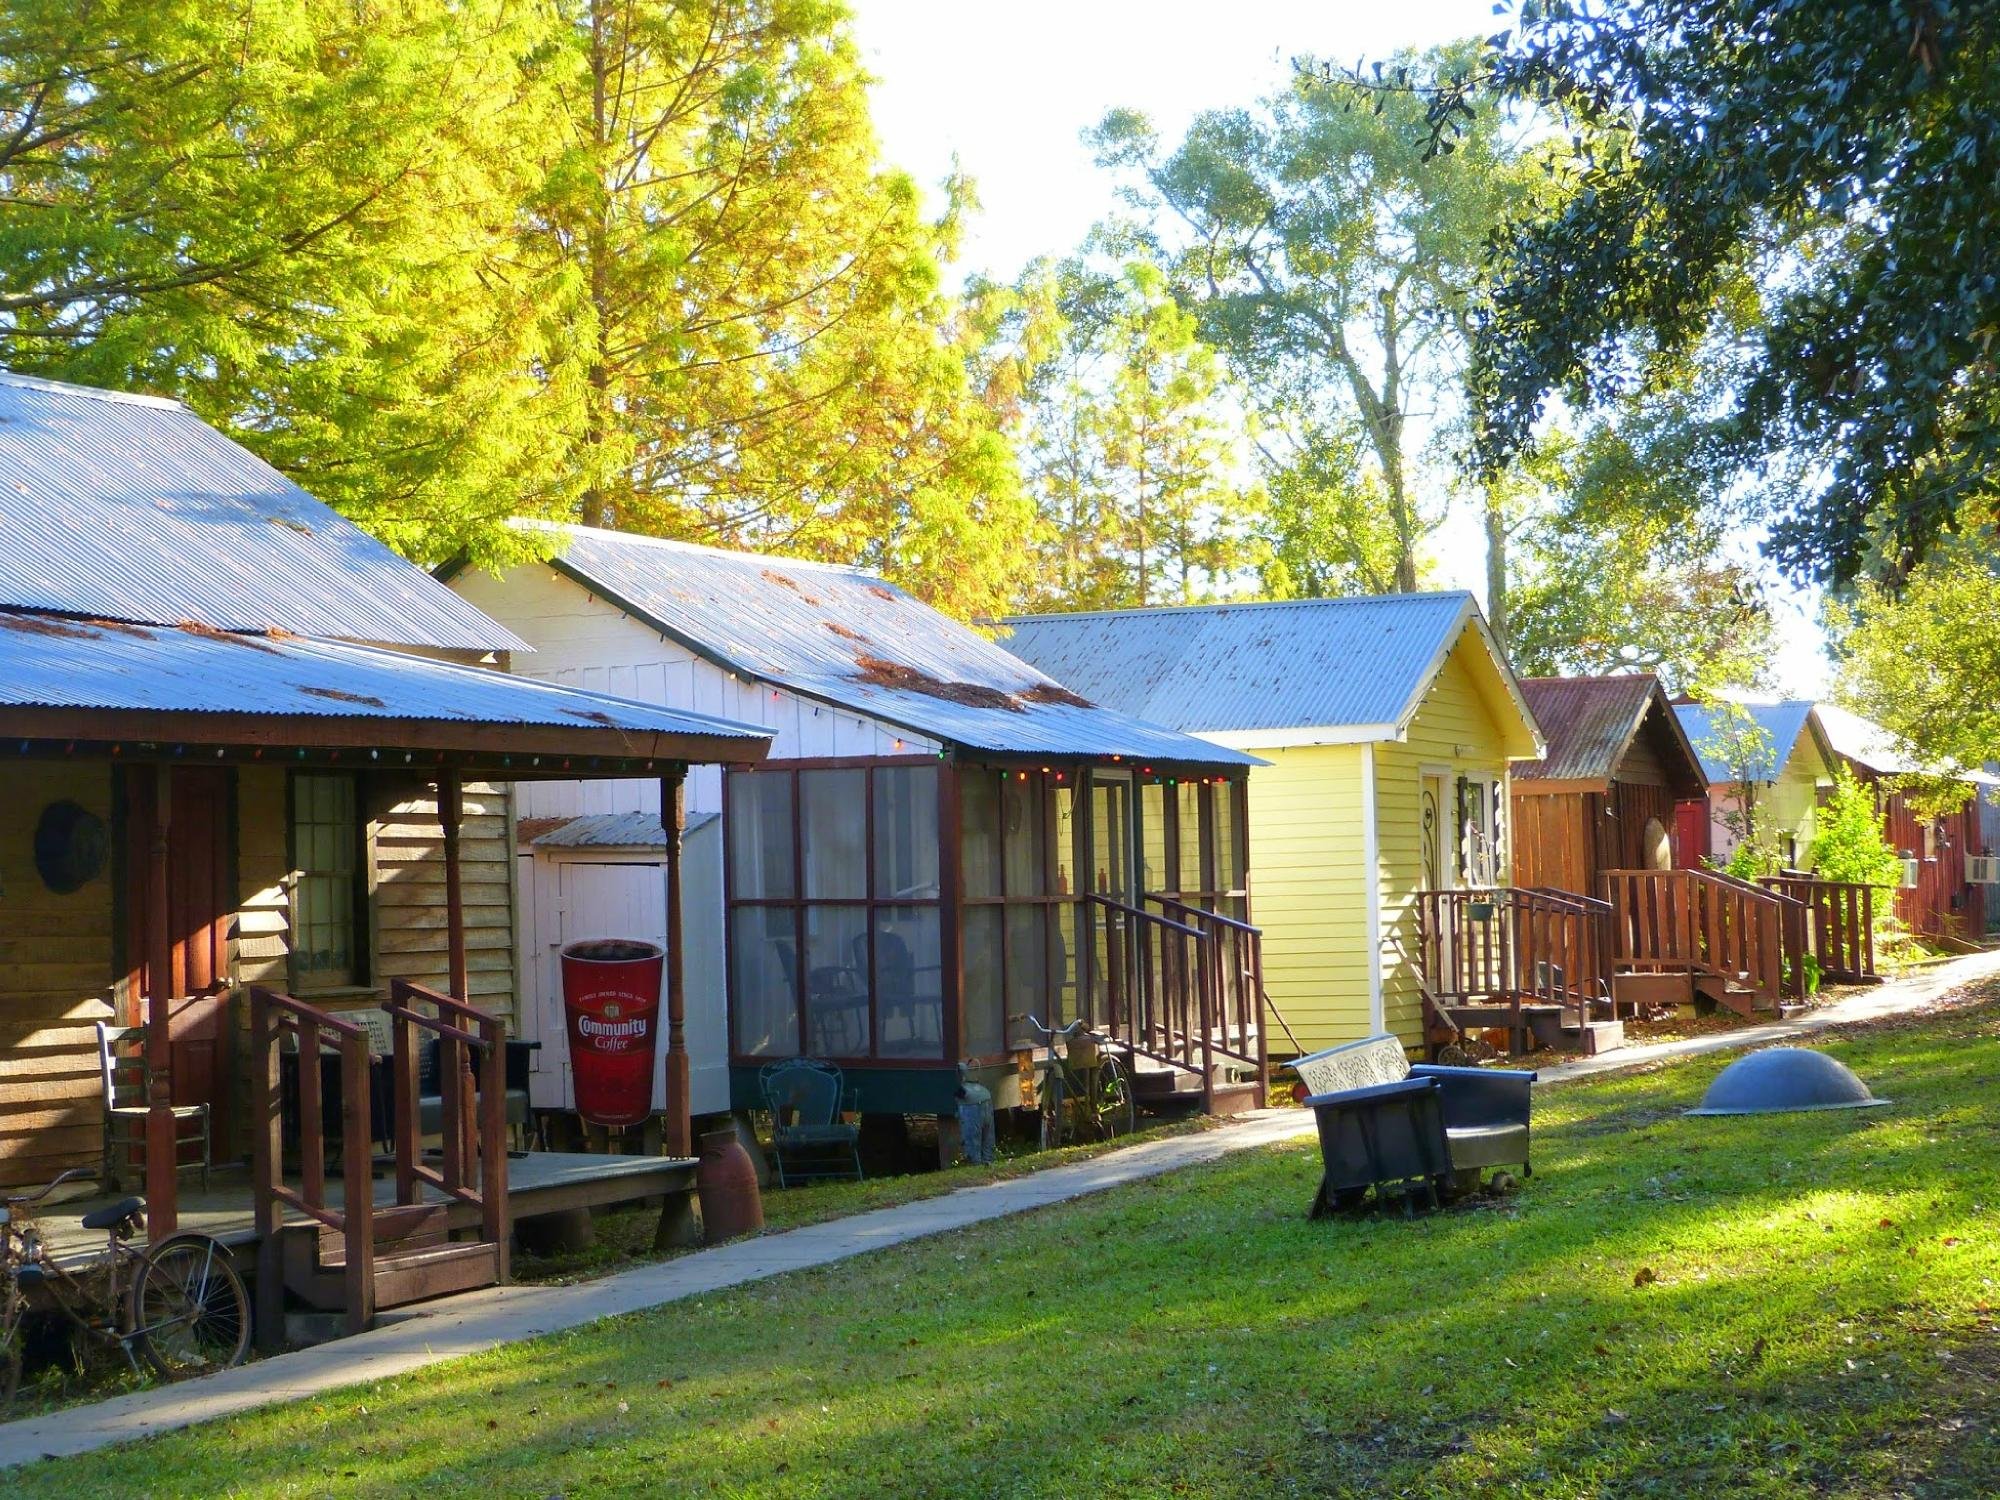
1169,993
271,1015
1531,946
1242,1022
1112,903
1838,924
1706,922
486,1036
1220,918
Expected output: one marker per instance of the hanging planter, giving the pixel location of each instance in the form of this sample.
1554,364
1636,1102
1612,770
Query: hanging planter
1479,911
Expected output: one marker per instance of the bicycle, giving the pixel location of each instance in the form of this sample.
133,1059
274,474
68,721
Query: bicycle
1082,1083
174,1309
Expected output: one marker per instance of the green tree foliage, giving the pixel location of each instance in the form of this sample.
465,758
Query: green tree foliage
1849,844
1923,663
756,348
1839,152
1334,269
633,261
1128,445
1636,567
296,216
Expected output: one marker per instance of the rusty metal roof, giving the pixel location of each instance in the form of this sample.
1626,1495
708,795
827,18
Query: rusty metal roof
626,830
844,636
1300,671
128,507
1590,723
62,663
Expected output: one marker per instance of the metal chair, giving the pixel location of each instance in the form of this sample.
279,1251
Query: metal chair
808,1137
121,1065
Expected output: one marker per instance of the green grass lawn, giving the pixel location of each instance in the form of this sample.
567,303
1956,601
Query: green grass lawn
1798,1305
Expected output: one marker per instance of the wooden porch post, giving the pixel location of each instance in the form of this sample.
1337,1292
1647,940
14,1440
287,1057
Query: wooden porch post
673,819
162,1149
451,809
450,815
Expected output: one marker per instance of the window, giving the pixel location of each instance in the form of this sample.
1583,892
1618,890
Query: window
1017,851
834,932
329,907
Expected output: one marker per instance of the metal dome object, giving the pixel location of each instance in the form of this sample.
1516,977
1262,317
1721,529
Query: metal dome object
1782,1079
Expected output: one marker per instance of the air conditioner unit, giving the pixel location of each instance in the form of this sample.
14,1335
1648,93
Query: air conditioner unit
1982,869
1912,868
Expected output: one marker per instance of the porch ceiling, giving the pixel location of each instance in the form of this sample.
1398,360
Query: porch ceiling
99,682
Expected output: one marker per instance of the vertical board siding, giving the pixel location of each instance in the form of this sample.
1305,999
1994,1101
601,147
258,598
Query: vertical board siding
56,955
1454,718
1310,892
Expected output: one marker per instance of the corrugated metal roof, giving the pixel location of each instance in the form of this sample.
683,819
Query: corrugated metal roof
1879,749
47,662
846,637
129,507
1589,722
626,830
1784,722
1867,743
1303,664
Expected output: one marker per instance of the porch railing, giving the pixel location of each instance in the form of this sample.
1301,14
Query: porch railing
1840,922
463,1033
1237,972
273,1016
1704,922
473,1164
1509,946
1166,994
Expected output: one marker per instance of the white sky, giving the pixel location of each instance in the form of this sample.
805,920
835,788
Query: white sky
1008,91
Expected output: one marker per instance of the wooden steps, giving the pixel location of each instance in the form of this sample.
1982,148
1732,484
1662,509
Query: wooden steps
1729,993
1638,989
1164,1090
315,1269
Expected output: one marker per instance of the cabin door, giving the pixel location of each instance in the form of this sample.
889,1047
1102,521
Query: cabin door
199,905
1440,835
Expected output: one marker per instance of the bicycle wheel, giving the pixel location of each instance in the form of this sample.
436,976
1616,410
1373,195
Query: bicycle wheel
187,1309
1054,1107
1117,1112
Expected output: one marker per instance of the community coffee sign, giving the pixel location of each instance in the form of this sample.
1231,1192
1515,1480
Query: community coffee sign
611,1003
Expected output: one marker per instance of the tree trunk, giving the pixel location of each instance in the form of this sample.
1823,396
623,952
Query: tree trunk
596,506
1496,566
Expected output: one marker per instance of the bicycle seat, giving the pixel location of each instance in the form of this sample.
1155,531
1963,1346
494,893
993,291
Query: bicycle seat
115,1213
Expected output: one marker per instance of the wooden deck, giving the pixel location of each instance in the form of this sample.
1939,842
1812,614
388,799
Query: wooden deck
538,1182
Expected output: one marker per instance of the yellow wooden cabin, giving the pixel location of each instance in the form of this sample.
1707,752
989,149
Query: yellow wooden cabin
1388,724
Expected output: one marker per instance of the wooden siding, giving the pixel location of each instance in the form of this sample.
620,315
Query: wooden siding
1564,840
56,956
1455,732
1309,890
1941,904
57,952
406,874
583,641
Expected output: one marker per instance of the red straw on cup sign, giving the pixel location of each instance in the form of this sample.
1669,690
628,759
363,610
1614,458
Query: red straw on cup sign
611,1004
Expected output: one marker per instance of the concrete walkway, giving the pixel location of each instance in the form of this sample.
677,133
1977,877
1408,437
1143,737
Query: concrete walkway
474,1322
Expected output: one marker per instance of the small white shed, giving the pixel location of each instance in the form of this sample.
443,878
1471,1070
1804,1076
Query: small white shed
604,875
